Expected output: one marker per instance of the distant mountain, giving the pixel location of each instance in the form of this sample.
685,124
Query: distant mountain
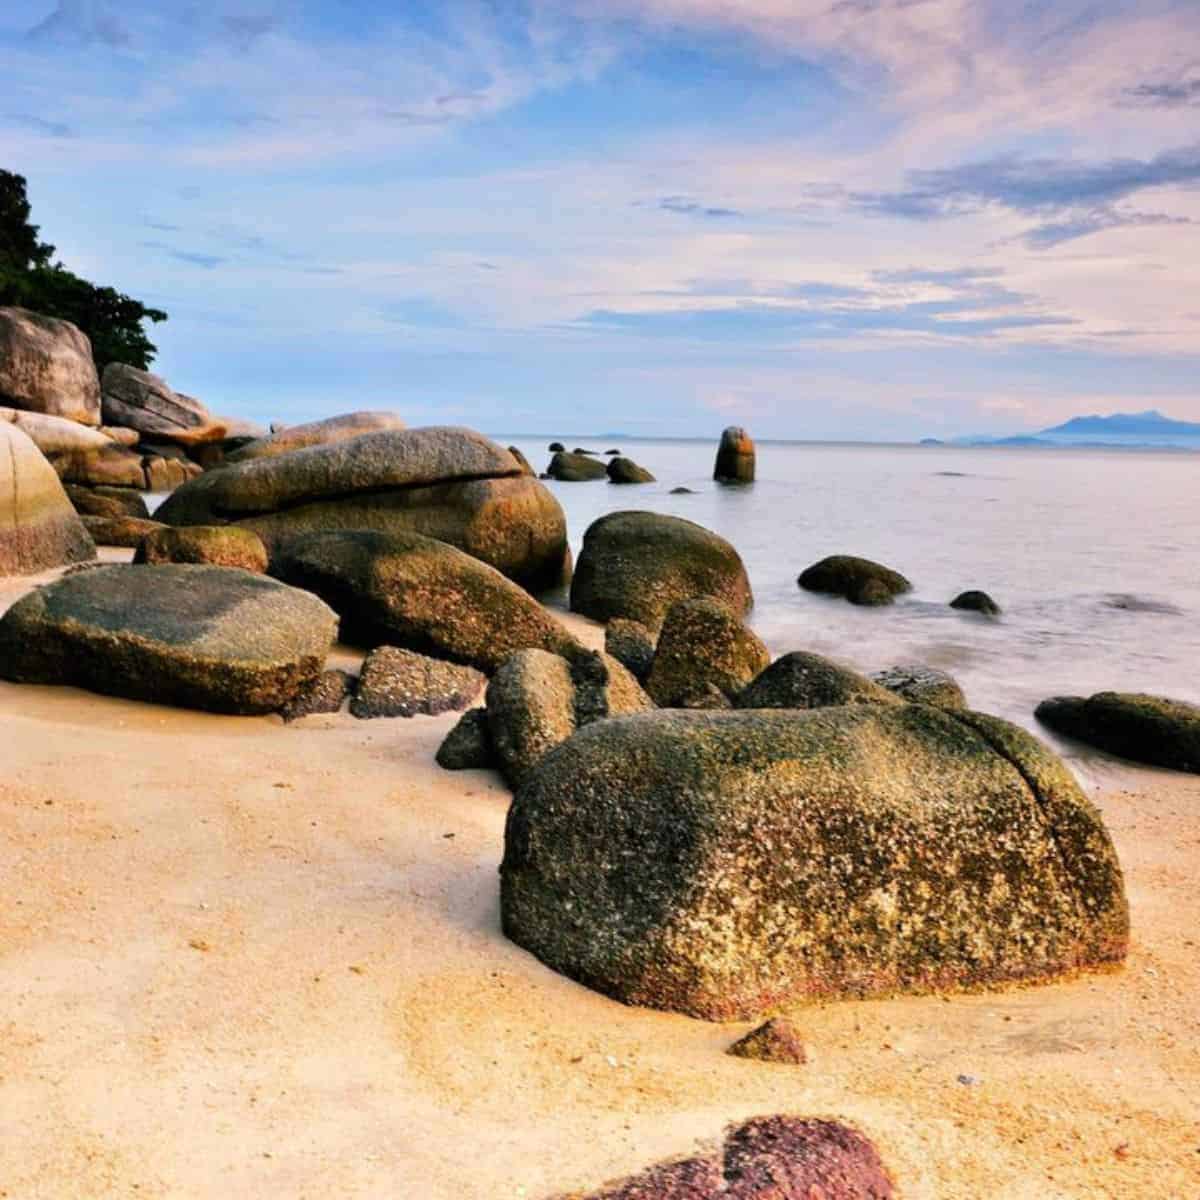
1149,423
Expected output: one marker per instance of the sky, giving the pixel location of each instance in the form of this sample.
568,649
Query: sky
868,219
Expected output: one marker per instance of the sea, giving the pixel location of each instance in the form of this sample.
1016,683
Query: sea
1092,554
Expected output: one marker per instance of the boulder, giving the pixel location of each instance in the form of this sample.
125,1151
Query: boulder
860,580
768,1158
625,470
637,564
107,501
721,864
631,644
1147,729
143,401
449,484
537,700
39,529
219,545
166,474
682,491
401,683
803,680
327,695
46,367
574,468
776,1040
975,601
556,447
922,685
468,746
421,594
56,436
735,457
121,435
128,532
703,648
112,466
197,636
316,433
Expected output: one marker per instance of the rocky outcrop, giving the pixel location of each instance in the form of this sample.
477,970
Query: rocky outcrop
975,601
631,644
637,564
569,467
127,532
316,433
327,695
111,466
776,1041
922,685
468,746
200,637
46,367
425,595
401,683
803,680
39,529
1147,729
703,648
735,457
625,470
142,401
722,864
107,501
860,580
56,436
450,484
218,545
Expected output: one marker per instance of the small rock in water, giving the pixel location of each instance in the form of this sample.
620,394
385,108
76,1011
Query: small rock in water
975,601
777,1041
682,491
625,470
402,683
860,580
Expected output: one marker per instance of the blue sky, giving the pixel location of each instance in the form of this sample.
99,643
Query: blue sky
819,218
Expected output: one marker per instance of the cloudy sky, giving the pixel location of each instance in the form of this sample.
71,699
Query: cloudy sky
821,218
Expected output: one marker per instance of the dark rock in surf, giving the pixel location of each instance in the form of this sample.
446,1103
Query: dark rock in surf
575,468
625,470
859,580
975,601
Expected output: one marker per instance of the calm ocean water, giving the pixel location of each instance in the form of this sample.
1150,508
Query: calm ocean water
1093,555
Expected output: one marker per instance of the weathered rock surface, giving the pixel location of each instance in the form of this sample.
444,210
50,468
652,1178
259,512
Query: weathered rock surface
722,864
625,470
46,367
196,636
327,695
703,647
637,564
468,746
107,501
166,474
56,436
316,433
777,1041
143,401
575,467
112,466
860,580
401,683
1147,729
922,685
219,545
39,529
768,1158
803,680
522,461
128,532
975,601
412,591
735,457
450,484
631,644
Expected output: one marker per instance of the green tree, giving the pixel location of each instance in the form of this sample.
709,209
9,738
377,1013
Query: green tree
28,278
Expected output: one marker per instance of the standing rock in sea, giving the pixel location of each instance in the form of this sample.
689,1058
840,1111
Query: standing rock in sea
1148,729
922,685
703,647
220,545
637,564
445,483
860,580
39,528
196,636
803,680
46,367
625,470
316,433
631,644
975,601
401,683
142,401
735,457
721,864
574,468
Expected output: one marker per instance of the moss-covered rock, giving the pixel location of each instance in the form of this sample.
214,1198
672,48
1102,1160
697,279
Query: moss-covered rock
127,532
703,647
401,683
722,864
631,644
922,685
107,501
219,545
568,467
197,636
803,680
625,470
860,580
637,564
1148,729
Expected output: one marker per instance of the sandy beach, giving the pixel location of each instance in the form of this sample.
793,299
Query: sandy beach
241,958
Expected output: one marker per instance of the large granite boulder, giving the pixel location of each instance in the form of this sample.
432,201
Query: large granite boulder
316,433
56,436
197,636
568,467
735,457
450,484
39,528
703,646
721,864
412,591
109,466
218,545
142,401
46,367
125,531
107,501
638,564
860,580
803,680
537,700
1147,729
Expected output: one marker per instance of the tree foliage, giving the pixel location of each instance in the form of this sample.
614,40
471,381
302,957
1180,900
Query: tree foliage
29,278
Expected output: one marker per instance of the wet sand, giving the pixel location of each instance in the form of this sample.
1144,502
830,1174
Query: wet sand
239,958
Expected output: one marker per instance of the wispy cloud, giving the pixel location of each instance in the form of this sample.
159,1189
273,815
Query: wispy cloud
1184,93
687,207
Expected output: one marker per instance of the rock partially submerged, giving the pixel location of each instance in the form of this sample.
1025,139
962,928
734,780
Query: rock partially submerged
859,580
316,433
401,683
196,636
1147,729
922,685
46,367
803,680
625,470
219,545
735,457
568,467
722,864
976,601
